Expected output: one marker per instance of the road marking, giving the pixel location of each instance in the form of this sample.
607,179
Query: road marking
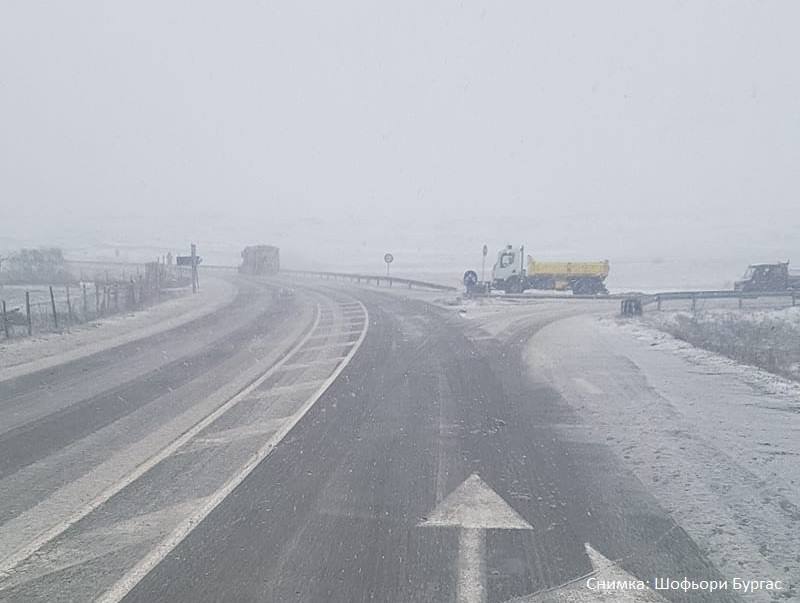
588,387
125,584
8,563
474,507
226,436
604,571
310,363
352,332
327,346
287,389
98,542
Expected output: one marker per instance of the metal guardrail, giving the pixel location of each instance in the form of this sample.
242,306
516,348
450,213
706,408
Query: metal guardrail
693,296
546,296
389,281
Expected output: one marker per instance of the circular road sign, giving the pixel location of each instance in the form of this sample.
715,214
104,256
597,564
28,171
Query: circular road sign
388,258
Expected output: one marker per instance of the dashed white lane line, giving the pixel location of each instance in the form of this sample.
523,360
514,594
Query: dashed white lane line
329,346
288,389
226,436
141,569
310,363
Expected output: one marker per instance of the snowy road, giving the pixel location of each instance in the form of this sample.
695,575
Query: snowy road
400,450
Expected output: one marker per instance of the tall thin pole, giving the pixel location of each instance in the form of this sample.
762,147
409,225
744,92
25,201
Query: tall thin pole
194,268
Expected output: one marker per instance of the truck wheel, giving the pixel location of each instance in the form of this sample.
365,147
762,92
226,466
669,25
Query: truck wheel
514,285
587,286
579,287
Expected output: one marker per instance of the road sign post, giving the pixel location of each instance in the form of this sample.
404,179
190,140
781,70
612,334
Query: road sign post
388,258
483,264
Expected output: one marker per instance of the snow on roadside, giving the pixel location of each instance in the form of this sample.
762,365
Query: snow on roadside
769,339
716,442
655,333
25,355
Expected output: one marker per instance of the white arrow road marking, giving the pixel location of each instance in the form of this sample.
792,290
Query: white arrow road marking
604,571
474,507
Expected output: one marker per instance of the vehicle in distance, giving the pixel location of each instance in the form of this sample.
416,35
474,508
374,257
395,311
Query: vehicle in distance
511,274
768,277
260,259
284,293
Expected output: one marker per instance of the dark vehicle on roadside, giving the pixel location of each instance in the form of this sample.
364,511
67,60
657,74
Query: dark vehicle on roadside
768,277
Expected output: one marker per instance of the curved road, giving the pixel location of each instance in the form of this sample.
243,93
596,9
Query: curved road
386,451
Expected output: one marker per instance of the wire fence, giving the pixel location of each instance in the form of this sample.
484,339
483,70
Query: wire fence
27,310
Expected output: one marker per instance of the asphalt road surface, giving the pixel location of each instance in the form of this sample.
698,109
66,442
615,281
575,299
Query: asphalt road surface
341,445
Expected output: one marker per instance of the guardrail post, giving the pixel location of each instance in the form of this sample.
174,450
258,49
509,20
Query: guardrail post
390,282
658,302
794,298
740,302
694,303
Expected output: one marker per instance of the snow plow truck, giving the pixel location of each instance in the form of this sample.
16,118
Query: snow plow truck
512,274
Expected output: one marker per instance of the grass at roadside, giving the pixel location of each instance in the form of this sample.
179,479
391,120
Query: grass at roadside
769,339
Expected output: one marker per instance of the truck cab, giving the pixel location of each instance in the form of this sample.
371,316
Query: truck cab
508,272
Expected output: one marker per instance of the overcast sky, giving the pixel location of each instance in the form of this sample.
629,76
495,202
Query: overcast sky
594,127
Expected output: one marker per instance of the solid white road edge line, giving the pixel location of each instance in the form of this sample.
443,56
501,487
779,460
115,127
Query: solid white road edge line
125,584
10,562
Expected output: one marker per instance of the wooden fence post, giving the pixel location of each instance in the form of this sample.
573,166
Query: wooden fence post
85,303
96,300
53,304
28,312
69,306
5,320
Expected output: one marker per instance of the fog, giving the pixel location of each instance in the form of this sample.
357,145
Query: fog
662,136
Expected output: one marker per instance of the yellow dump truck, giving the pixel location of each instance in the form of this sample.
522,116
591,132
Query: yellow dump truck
511,274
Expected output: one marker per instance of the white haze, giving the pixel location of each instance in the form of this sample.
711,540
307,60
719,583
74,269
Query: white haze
664,136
